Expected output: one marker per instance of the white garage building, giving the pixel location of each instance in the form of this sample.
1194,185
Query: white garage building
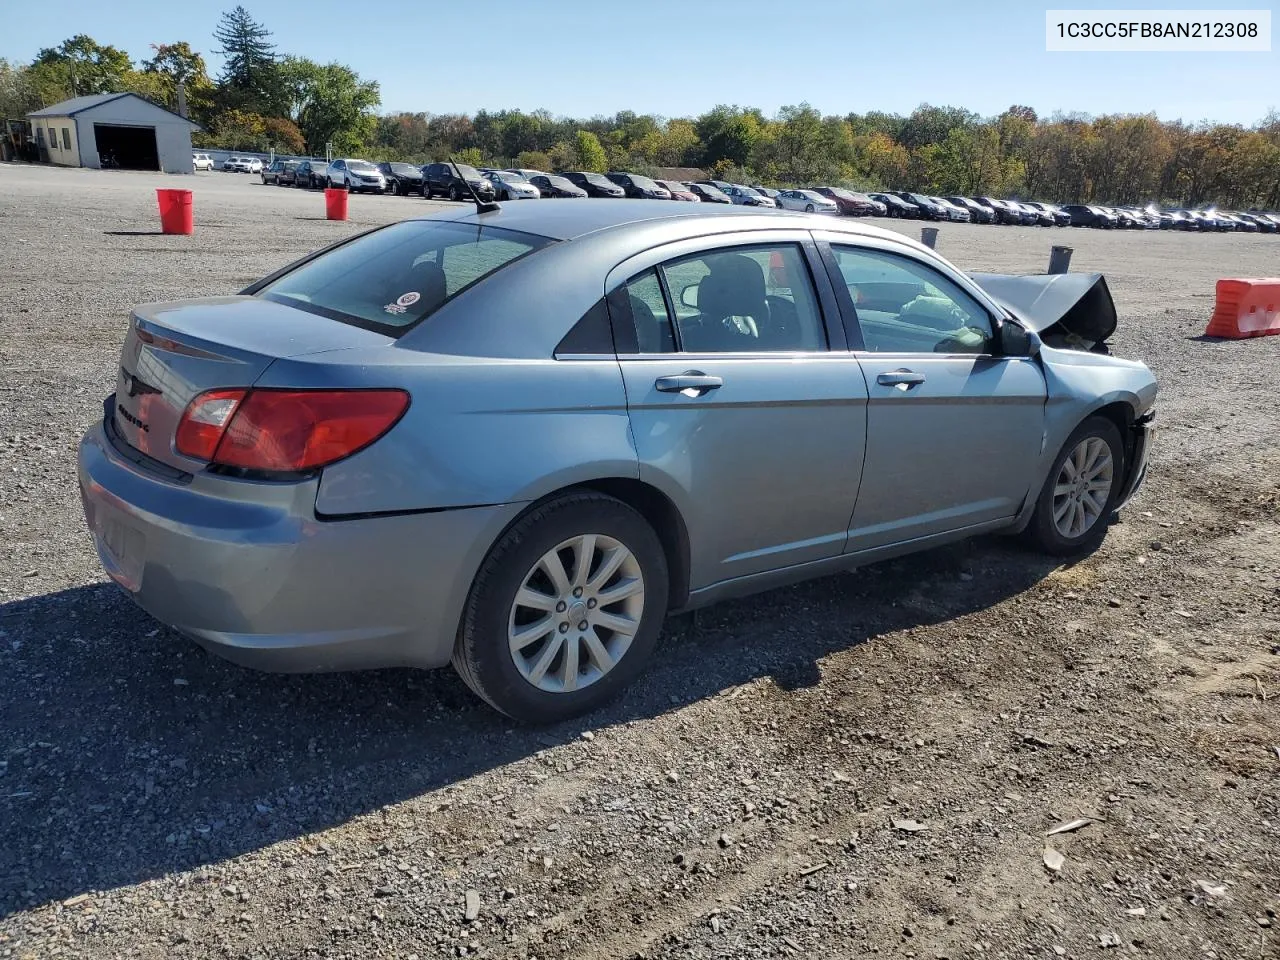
136,132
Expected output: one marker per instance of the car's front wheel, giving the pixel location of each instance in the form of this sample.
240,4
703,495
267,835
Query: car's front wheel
565,609
1079,495
455,194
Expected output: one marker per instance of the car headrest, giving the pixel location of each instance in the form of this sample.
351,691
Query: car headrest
734,288
427,279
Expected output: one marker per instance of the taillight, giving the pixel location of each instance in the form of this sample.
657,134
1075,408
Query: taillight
286,430
203,422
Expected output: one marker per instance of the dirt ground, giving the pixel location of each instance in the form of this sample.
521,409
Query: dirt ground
861,765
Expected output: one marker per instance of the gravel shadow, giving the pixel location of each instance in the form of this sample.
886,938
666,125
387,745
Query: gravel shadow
131,753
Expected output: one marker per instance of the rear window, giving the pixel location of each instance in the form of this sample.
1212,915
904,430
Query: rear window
398,276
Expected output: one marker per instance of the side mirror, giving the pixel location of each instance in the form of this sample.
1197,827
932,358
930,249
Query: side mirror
689,296
1016,341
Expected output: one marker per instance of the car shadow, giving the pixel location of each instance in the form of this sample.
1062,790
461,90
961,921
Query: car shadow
130,753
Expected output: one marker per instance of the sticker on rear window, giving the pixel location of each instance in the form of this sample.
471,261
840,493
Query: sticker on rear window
403,302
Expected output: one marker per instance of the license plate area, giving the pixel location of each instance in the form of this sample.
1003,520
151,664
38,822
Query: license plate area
122,549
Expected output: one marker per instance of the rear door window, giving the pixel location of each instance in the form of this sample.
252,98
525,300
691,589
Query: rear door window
752,299
396,277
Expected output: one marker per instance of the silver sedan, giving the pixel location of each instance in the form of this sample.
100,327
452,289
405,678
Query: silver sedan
515,440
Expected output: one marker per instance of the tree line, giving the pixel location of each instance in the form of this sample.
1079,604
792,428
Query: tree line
265,100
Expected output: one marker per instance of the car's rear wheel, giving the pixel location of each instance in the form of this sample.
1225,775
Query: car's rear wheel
1079,495
565,609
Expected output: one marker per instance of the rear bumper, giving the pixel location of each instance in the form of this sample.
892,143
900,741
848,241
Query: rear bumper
249,572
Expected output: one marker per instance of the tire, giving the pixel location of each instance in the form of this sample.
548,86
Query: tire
506,195
394,188
1049,536
455,194
808,208
483,653
426,192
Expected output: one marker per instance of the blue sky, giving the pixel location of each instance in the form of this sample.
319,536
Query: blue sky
581,58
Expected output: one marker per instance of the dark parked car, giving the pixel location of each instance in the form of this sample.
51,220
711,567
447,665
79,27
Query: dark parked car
596,184
1059,217
280,172
1264,224
311,175
1027,216
678,190
402,178
1003,212
977,212
928,209
769,192
1032,216
440,179
638,187
550,185
849,204
1085,215
895,206
708,193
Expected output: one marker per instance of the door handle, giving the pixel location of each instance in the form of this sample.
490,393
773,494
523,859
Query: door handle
692,383
902,379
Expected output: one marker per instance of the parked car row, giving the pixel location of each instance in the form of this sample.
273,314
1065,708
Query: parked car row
461,181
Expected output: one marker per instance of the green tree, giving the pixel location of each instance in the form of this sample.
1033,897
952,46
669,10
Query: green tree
18,95
330,104
249,79
177,63
590,154
80,66
533,160
728,133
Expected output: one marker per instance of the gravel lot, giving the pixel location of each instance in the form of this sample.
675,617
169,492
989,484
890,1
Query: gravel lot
741,801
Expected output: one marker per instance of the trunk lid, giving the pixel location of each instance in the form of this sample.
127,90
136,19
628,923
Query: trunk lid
174,351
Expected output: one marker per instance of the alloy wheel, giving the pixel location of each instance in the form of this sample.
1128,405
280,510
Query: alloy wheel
576,613
1083,487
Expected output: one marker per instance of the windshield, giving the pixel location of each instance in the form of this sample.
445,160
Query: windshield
361,166
510,177
810,195
711,191
561,183
842,193
644,183
393,278
404,168
748,191
599,179
466,172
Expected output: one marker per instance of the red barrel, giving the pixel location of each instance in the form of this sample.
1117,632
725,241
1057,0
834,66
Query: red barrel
177,213
335,203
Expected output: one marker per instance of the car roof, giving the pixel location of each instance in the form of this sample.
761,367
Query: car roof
567,220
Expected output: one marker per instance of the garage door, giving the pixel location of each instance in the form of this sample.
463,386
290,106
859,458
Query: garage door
129,148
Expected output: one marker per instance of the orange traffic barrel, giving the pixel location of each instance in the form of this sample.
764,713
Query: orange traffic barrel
1246,308
177,211
335,203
